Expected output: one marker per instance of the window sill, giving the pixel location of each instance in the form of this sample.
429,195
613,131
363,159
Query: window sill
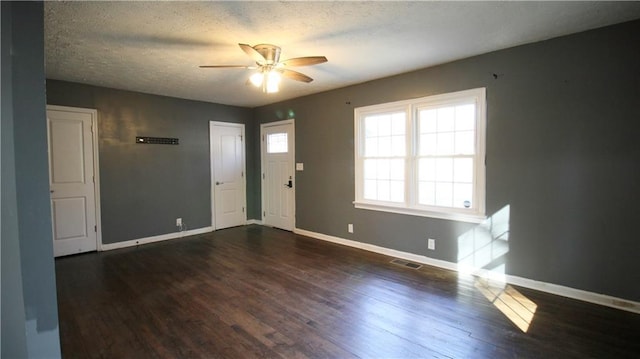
452,216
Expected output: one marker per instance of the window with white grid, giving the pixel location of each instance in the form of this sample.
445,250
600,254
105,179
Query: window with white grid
384,157
277,143
423,157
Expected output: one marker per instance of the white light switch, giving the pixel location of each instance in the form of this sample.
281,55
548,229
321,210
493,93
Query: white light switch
299,166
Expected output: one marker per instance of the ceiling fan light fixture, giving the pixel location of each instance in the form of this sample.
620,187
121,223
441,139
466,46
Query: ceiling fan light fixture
272,82
257,79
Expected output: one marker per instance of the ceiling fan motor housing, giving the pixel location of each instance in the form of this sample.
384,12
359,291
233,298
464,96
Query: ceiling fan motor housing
271,53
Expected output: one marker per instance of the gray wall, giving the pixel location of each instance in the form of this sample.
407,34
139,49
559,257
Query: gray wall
562,152
144,188
29,307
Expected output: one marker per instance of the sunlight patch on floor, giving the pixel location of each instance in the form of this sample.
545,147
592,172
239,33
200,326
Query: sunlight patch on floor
513,304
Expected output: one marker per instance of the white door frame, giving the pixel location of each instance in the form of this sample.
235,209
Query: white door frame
293,165
96,165
244,167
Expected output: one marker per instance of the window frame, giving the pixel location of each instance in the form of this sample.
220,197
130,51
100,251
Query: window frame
476,214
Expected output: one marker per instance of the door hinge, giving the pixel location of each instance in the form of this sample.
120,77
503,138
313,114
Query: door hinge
240,137
242,174
263,176
95,229
242,209
264,214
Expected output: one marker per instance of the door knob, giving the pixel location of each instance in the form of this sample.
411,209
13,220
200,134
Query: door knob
290,184
219,183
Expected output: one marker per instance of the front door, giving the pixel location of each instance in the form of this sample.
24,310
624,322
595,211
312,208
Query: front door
278,180
71,179
227,175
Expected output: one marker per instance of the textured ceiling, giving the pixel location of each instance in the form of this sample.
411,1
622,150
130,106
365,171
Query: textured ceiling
156,47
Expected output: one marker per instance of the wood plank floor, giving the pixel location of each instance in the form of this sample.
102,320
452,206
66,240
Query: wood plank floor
257,292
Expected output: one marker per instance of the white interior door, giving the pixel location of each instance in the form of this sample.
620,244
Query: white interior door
71,177
278,176
227,177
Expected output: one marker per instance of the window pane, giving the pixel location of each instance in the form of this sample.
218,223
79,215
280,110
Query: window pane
427,169
397,191
397,169
454,127
465,117
384,146
428,144
446,119
371,147
384,179
427,193
444,170
465,143
384,126
383,191
398,124
383,169
444,194
463,170
385,135
370,169
462,195
445,143
428,121
370,189
277,143
398,146
371,126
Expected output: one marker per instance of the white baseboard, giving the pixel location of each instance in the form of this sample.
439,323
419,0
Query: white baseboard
556,289
162,237
254,221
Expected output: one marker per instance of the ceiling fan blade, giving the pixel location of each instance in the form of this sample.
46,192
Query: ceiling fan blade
227,67
304,61
255,55
295,75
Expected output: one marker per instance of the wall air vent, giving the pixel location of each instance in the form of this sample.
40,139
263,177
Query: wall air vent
157,140
404,263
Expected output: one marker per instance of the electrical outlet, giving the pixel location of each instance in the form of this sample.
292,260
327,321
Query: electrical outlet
431,244
350,228
178,222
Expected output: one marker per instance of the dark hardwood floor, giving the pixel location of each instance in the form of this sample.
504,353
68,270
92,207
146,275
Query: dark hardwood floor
259,292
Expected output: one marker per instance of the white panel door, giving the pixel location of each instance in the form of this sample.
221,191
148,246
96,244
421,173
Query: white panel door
278,189
227,177
71,177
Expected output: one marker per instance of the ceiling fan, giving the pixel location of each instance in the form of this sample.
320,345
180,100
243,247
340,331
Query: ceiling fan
269,67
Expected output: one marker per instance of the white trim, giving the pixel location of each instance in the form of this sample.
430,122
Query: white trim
263,126
254,221
96,164
595,298
213,124
162,237
449,215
